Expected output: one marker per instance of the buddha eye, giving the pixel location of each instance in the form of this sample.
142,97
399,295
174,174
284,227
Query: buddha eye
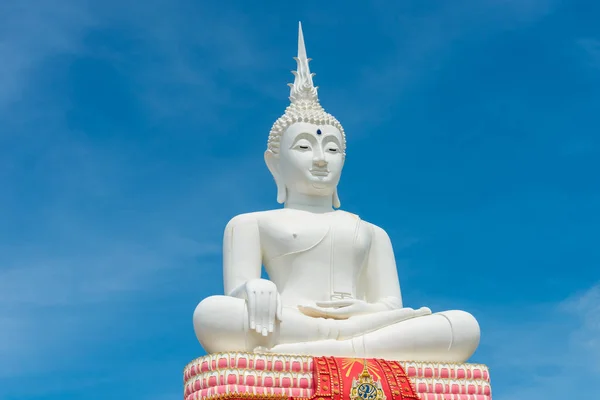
302,147
332,150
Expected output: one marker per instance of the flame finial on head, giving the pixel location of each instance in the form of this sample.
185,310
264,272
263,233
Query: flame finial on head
305,106
303,87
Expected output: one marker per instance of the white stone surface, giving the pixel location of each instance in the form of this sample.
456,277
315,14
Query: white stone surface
333,287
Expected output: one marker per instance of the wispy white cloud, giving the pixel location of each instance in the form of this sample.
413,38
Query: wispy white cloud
551,353
59,288
590,49
177,60
31,32
69,260
421,42
51,302
62,293
192,50
585,340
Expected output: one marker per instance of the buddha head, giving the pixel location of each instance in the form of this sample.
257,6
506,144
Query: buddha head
307,146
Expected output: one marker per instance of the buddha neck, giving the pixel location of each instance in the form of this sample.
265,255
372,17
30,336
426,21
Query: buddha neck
314,204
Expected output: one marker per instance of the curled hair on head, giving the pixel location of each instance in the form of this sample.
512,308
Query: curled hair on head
305,106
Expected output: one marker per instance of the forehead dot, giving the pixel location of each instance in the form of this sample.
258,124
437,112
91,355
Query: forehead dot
319,132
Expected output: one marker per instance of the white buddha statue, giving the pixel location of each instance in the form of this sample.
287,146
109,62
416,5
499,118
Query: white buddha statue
333,286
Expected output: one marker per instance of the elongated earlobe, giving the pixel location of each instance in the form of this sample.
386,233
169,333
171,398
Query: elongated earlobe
272,161
336,199
281,192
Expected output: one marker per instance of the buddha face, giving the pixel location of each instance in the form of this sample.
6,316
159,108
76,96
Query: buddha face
310,159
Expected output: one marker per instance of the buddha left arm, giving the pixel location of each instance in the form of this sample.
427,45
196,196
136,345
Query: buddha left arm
382,286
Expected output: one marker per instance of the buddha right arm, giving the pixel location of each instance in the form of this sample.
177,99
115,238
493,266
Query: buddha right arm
242,263
242,259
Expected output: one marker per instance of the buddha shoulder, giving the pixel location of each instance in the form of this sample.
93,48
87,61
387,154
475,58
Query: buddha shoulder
241,219
293,222
259,219
368,229
253,218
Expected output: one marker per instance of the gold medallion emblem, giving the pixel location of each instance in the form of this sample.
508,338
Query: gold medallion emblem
365,388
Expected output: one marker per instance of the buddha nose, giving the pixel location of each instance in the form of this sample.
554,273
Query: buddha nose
319,162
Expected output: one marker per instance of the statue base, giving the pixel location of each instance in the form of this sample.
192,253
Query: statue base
246,376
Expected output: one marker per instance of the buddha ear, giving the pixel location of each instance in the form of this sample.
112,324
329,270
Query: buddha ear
336,199
272,161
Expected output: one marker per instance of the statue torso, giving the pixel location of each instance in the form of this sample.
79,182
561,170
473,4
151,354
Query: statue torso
314,257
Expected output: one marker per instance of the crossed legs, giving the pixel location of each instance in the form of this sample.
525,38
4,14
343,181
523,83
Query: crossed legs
221,325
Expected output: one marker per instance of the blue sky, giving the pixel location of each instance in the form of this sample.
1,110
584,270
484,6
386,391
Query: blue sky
130,134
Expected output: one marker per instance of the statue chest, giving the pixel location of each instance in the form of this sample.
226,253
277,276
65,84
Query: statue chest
332,248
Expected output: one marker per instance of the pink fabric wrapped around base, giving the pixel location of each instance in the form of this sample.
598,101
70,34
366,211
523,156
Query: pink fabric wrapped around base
261,376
